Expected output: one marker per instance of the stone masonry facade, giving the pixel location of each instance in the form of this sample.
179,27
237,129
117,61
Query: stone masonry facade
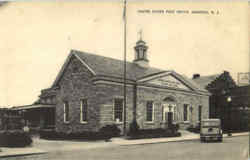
76,84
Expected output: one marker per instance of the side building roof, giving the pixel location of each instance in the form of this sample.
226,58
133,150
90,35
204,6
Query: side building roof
204,81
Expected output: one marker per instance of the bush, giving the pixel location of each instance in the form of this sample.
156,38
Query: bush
133,128
54,135
194,129
49,134
105,132
14,138
110,131
156,133
174,128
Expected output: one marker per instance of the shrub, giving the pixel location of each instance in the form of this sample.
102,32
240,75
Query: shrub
49,134
14,138
156,133
54,135
109,131
133,128
105,132
194,129
174,128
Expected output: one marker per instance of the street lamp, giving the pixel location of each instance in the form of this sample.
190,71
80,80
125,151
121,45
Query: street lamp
229,100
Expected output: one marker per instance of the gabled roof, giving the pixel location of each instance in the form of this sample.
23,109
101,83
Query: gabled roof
100,65
204,81
109,67
195,84
113,67
184,79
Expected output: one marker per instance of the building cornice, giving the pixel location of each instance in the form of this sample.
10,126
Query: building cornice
142,85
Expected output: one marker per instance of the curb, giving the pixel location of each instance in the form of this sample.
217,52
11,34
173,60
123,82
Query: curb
21,154
183,140
238,135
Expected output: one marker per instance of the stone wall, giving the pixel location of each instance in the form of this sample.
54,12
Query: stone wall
158,96
74,85
106,94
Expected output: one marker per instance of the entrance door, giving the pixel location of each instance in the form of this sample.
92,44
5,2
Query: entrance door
170,118
168,112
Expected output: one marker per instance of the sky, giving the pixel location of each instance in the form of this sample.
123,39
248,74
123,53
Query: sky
36,38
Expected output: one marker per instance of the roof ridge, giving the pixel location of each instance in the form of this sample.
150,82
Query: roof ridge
93,54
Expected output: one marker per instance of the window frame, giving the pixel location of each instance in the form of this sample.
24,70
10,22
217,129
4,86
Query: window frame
187,112
64,111
114,112
200,113
81,111
152,112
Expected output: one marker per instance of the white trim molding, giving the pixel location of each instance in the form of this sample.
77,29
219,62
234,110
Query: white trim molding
155,76
85,64
111,82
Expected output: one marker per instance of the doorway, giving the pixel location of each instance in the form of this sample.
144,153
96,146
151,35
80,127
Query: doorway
169,112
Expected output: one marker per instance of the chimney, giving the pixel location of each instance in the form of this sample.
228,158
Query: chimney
195,76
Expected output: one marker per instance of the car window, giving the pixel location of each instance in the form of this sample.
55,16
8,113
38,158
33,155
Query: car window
211,123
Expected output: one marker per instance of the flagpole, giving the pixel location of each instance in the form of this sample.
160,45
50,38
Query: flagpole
124,76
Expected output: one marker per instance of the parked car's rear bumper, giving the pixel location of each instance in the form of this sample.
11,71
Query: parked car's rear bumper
211,136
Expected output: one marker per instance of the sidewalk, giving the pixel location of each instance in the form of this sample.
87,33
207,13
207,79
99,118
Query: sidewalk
68,145
14,152
186,136
41,146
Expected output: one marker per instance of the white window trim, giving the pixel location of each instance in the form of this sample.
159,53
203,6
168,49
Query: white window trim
64,113
153,112
81,107
118,122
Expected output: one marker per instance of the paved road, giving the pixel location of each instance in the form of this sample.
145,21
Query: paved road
234,148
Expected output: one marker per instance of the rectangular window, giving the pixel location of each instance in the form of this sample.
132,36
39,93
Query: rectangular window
185,112
200,113
83,110
66,111
118,109
150,111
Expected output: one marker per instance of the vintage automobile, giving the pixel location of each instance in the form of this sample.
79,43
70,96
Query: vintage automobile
210,129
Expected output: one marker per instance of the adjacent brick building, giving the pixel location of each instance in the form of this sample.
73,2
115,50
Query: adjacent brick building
234,113
88,94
